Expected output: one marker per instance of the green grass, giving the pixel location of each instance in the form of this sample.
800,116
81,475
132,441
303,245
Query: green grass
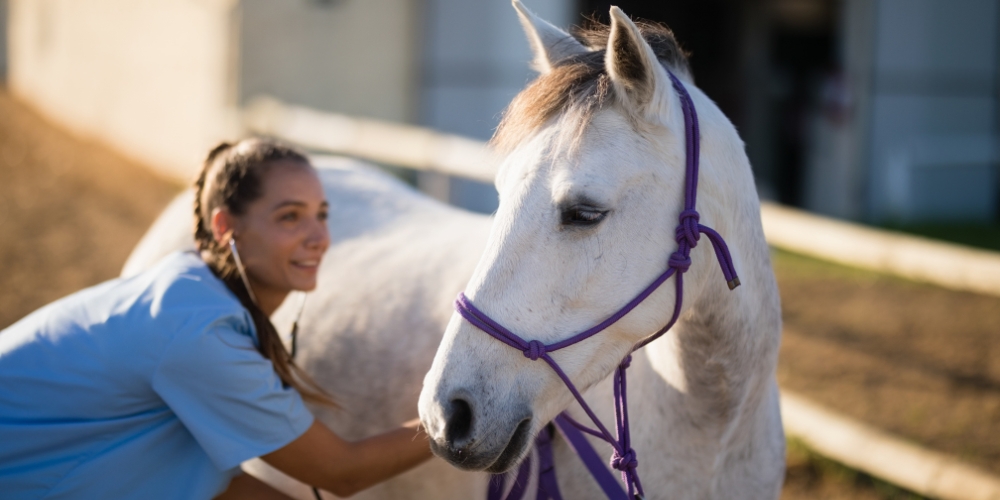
985,236
795,266
825,470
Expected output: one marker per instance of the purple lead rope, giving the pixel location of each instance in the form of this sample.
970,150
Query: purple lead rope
687,234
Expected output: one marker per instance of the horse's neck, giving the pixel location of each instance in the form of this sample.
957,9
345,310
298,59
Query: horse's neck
703,407
705,392
702,399
723,348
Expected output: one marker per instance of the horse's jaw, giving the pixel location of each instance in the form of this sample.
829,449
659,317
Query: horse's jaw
469,427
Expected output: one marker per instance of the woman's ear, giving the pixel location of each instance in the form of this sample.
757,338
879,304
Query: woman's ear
223,225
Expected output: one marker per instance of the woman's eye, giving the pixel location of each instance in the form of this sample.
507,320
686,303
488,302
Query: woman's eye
582,216
290,217
323,216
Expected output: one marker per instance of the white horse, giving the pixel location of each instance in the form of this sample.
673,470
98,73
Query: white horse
590,193
704,401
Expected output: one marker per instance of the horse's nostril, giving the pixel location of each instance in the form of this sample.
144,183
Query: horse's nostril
459,422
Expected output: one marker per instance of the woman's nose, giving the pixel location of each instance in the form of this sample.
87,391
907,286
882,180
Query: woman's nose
319,235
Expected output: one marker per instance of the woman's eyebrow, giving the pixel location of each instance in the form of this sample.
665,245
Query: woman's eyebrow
297,203
287,203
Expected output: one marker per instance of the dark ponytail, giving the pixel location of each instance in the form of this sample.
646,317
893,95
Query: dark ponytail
232,178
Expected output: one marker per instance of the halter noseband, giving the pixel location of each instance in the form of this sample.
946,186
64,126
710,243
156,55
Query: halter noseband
687,234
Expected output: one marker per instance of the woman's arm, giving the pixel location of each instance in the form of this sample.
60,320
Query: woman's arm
322,459
247,487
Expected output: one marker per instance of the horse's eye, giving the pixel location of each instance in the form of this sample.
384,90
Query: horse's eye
582,216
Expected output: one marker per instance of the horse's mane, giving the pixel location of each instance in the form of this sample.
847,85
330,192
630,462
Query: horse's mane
580,82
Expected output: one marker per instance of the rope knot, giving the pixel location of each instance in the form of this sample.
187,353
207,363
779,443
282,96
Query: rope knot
627,362
679,261
535,350
624,462
687,230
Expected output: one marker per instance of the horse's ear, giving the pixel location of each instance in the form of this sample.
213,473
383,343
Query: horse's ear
548,43
634,69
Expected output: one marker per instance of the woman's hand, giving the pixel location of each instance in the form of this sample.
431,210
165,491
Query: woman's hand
247,487
321,458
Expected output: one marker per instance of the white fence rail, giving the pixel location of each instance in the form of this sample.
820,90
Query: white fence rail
835,436
882,455
920,259
383,142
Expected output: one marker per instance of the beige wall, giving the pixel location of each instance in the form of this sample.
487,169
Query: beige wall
161,80
3,39
151,78
348,56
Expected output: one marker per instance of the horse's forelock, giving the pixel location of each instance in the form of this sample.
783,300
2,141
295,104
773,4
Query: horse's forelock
579,84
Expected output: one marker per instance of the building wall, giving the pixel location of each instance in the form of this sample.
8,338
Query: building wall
934,110
835,171
162,81
475,60
914,138
149,78
355,57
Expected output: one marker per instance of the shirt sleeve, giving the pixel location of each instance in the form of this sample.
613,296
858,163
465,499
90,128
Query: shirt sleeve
227,394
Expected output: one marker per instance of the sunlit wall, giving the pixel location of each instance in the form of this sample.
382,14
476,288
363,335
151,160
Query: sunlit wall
3,40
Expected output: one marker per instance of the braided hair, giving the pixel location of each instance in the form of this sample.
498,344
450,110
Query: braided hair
232,178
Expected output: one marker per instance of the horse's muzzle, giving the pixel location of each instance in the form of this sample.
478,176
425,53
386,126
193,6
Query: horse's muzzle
467,444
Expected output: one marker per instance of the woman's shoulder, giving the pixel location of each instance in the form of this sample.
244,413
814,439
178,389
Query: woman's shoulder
186,273
124,324
182,283
179,284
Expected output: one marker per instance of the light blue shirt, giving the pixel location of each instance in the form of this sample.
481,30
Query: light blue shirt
146,387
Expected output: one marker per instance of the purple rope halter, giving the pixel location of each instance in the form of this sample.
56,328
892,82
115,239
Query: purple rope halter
687,234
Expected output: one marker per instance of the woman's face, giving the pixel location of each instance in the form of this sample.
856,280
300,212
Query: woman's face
282,235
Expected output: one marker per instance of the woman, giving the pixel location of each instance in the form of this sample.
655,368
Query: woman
160,385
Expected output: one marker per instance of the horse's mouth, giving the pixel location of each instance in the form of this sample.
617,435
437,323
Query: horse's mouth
509,456
466,457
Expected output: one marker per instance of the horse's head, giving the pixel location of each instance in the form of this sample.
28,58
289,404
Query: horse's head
590,193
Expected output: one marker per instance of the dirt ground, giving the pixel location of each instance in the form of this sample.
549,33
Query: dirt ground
70,211
912,359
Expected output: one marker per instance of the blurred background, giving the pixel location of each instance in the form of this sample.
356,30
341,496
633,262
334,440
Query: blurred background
883,112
